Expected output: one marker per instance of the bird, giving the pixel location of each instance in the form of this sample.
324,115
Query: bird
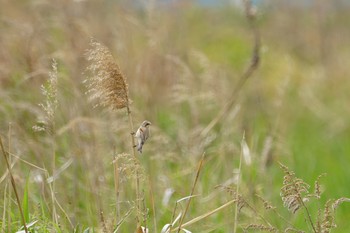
142,135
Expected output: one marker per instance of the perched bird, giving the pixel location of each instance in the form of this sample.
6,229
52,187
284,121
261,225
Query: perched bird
142,135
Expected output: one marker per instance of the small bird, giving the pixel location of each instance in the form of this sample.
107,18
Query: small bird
142,135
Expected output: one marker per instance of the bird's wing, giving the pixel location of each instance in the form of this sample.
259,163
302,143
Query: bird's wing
138,133
143,133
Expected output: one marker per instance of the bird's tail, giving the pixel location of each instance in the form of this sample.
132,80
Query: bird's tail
139,147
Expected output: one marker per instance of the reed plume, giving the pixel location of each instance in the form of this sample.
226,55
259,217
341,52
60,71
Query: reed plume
108,87
107,84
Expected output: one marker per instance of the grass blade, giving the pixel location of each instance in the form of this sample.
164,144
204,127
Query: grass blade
25,204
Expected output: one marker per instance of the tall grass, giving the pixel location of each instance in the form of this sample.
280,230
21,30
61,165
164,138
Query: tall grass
183,65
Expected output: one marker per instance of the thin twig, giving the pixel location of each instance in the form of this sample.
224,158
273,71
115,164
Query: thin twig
14,187
192,191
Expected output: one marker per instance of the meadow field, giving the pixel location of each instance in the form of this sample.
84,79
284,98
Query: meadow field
249,105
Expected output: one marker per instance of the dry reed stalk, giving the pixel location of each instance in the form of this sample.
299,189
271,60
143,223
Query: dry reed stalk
192,191
254,63
53,196
9,180
14,186
203,216
108,86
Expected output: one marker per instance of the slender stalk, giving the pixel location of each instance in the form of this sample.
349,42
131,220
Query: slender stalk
9,180
4,211
192,191
116,186
14,186
199,218
308,214
254,63
150,184
173,217
138,196
237,190
54,213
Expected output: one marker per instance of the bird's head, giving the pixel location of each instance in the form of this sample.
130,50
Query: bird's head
146,123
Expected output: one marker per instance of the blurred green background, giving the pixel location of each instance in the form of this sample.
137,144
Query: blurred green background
182,60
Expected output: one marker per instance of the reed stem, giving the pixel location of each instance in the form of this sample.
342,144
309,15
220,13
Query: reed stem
14,186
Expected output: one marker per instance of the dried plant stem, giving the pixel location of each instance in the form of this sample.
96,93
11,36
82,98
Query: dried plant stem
199,218
284,219
122,220
108,85
308,214
14,186
192,191
257,213
173,217
9,181
254,63
53,197
138,195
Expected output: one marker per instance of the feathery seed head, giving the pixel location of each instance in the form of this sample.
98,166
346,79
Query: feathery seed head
293,190
106,84
50,104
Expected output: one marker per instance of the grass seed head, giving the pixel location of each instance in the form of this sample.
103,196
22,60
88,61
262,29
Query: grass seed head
293,190
106,83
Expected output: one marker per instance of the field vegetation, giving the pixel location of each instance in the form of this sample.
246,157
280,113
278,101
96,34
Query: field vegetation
249,108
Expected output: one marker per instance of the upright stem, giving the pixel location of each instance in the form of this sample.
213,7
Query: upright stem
9,181
192,191
131,126
254,63
116,186
237,189
53,197
14,187
308,214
